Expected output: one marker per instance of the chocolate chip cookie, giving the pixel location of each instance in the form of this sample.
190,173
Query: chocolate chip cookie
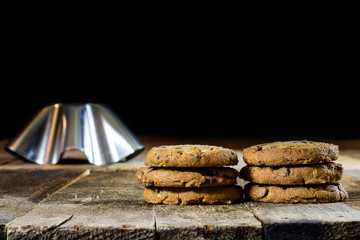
293,175
188,196
190,156
290,153
186,177
296,194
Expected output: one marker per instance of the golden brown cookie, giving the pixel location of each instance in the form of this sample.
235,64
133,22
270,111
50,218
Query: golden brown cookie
296,194
189,196
290,153
293,175
190,156
186,177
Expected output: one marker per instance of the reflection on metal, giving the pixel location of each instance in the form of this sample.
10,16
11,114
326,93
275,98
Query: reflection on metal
62,130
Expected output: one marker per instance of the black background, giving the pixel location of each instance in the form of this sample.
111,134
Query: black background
215,107
199,78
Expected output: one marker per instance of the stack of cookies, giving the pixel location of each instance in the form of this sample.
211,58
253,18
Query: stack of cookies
293,172
190,174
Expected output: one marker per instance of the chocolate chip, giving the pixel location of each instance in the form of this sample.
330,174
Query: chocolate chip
210,180
275,168
208,172
150,183
303,181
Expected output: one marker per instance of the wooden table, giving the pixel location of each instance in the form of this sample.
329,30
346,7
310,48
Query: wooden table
82,201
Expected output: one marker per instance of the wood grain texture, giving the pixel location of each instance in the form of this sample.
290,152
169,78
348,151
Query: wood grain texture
21,190
352,185
206,222
51,202
101,205
308,221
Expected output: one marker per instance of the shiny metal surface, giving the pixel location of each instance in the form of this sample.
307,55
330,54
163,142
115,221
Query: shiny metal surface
86,131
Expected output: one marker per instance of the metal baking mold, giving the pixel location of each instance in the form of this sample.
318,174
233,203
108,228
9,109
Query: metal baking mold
75,131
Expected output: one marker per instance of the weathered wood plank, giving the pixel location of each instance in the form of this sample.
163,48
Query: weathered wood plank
100,205
80,221
352,186
206,222
21,190
308,221
108,204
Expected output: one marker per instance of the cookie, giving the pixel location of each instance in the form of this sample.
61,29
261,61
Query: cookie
186,177
190,156
293,175
296,194
290,153
190,196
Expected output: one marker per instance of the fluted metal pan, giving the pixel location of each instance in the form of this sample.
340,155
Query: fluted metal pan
90,131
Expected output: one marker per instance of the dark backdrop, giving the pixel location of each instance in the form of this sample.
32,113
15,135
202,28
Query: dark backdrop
176,106
278,73
272,79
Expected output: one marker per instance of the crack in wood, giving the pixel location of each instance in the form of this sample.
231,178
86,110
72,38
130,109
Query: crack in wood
55,226
257,218
155,223
85,173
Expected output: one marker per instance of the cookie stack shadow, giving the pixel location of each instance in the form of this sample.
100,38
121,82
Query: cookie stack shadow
293,172
190,174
